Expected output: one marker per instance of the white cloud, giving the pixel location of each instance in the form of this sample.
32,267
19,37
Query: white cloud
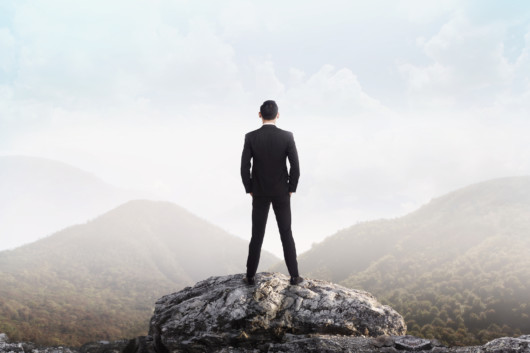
522,68
7,54
239,18
87,57
425,12
468,67
329,92
266,82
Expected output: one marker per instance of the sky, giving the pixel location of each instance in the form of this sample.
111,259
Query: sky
391,103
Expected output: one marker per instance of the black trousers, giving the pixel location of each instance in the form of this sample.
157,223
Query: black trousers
260,211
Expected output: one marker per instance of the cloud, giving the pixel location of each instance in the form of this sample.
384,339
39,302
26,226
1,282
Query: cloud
468,65
331,91
7,54
425,12
100,57
266,83
239,18
328,92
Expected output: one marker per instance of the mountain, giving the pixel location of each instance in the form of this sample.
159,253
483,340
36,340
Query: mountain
40,196
457,268
99,280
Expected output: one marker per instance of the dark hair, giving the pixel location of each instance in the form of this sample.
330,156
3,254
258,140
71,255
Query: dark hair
269,110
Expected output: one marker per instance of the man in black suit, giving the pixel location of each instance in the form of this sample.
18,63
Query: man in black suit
269,182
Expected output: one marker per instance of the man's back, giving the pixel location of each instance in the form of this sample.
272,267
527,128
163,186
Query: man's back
269,147
269,182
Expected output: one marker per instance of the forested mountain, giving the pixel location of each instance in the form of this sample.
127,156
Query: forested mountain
39,196
457,268
100,280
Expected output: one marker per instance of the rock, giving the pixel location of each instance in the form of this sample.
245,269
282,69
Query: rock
143,344
7,347
508,344
104,347
411,343
12,347
348,344
322,343
223,312
383,341
93,347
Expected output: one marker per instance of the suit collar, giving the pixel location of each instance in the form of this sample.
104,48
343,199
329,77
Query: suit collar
263,125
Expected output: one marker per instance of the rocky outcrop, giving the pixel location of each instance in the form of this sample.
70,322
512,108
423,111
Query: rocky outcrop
297,344
224,315
6,346
104,346
26,347
389,344
224,311
93,347
508,344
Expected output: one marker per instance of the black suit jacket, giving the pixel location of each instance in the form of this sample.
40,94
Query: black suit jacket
269,147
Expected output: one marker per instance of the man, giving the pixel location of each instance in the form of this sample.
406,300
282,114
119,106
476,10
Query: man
269,182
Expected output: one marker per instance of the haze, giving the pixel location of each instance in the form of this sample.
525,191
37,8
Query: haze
391,103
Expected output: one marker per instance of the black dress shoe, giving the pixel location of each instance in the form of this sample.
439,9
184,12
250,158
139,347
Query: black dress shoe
296,280
249,280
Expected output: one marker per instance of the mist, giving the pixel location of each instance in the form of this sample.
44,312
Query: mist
391,104
122,126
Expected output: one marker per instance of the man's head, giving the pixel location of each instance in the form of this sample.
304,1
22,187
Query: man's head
268,110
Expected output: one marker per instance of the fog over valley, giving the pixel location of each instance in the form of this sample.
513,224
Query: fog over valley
390,103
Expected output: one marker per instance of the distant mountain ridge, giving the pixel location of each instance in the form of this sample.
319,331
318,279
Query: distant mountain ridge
99,280
40,196
457,268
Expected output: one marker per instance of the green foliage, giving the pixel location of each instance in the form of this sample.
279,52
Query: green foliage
457,307
100,280
457,269
61,303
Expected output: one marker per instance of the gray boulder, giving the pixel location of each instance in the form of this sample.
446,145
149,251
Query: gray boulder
27,347
225,312
104,347
93,347
508,344
8,347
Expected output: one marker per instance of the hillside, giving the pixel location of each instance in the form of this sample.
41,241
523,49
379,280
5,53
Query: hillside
100,280
457,268
52,195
